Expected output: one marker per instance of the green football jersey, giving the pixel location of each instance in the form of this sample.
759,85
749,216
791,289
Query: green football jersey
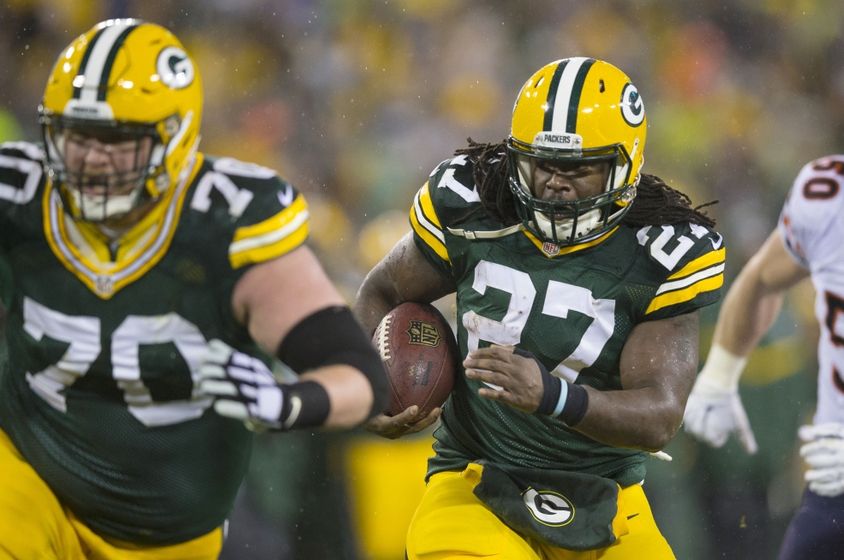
104,342
572,307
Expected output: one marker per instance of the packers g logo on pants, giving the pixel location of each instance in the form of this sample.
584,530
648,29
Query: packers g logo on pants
549,508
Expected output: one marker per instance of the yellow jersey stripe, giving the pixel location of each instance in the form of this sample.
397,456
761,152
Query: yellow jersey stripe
247,250
679,296
433,228
699,263
427,206
427,237
689,280
263,252
272,224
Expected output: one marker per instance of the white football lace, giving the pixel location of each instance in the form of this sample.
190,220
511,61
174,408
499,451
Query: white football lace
381,334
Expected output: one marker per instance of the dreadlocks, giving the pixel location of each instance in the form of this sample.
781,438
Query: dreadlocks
655,204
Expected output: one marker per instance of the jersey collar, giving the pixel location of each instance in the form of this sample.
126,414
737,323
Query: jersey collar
85,251
552,250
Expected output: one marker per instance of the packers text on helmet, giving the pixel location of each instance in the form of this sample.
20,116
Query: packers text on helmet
576,111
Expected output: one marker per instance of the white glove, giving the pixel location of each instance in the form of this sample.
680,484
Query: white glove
243,387
824,453
714,410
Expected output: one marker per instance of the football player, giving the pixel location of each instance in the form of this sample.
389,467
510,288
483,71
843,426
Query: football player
123,251
577,281
806,243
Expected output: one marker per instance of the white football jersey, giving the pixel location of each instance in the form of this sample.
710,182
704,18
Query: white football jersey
812,227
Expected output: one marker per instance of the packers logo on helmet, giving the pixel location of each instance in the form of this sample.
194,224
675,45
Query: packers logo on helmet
175,68
120,117
577,111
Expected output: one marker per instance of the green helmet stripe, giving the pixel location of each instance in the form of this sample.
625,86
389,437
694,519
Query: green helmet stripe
552,94
77,89
576,90
109,62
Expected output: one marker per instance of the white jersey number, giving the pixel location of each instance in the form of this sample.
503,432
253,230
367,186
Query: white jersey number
82,333
31,168
560,299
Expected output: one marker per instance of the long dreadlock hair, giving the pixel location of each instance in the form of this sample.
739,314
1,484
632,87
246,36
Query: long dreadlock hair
655,204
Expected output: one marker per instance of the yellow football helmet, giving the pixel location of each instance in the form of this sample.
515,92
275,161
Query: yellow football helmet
124,83
577,110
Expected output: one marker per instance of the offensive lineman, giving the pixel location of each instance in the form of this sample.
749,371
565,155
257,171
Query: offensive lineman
123,251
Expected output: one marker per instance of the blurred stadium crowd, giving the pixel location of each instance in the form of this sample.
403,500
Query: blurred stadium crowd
356,101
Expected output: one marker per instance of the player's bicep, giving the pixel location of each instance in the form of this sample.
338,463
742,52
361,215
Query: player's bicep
663,354
274,296
404,274
412,275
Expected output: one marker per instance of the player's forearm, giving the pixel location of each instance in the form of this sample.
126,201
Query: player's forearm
643,419
349,393
748,312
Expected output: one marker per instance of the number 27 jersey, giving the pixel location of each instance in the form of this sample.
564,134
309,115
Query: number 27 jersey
573,308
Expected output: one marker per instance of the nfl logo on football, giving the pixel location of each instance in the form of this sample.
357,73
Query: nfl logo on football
423,334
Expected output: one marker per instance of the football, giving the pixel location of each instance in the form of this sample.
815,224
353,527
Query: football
419,353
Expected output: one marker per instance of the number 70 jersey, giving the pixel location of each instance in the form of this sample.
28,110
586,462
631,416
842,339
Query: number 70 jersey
105,341
573,308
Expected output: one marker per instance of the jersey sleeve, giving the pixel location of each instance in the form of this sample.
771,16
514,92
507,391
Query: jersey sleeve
686,266
21,177
447,196
263,215
810,222
275,223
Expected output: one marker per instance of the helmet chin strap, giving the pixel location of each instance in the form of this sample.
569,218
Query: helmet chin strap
562,229
100,208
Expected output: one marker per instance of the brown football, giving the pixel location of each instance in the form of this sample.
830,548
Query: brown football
419,353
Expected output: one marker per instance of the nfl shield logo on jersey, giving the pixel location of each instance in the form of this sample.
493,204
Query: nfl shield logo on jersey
105,285
550,249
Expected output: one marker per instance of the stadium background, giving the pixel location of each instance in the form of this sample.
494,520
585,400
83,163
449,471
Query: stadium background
356,101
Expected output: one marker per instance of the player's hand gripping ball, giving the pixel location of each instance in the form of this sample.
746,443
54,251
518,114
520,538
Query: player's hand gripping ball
419,353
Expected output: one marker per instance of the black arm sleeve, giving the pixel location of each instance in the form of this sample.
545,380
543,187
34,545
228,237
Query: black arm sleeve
333,336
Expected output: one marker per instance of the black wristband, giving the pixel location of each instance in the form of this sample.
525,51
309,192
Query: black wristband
570,407
306,404
577,401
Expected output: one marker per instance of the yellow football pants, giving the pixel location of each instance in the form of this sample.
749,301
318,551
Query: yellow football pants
34,525
452,523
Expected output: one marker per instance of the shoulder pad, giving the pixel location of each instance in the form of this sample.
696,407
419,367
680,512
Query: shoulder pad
688,262
452,189
444,200
810,222
266,216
